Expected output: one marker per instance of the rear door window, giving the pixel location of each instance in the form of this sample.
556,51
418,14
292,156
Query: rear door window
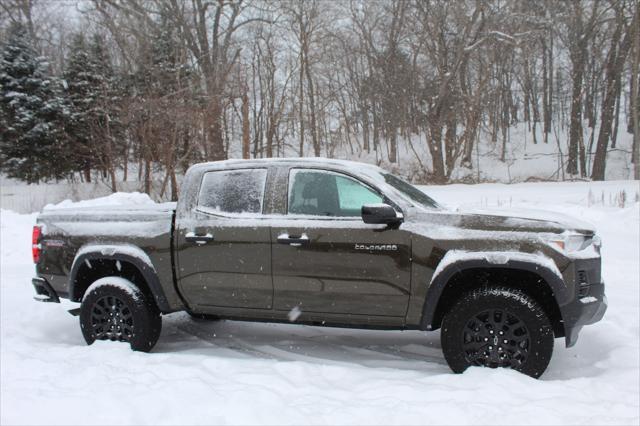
233,191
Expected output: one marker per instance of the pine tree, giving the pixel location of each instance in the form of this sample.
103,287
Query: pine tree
32,111
94,93
81,96
165,67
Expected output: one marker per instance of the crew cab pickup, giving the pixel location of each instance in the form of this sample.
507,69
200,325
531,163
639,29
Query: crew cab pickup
324,242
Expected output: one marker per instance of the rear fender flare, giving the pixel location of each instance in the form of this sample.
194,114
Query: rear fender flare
123,253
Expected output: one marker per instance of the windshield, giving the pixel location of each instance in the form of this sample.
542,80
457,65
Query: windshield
410,191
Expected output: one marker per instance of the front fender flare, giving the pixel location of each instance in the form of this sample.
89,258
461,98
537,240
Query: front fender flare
124,253
456,261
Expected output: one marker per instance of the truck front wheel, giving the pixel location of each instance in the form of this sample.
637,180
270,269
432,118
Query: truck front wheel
113,308
497,327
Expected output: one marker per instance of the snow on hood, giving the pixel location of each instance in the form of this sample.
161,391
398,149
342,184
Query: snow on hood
479,224
562,220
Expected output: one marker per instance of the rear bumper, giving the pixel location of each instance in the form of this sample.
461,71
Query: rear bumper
44,291
583,311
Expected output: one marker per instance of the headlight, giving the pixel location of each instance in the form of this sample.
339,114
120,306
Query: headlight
573,242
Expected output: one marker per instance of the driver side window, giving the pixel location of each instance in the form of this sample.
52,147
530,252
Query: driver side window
321,193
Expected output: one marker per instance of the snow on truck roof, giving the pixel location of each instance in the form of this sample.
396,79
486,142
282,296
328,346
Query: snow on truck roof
307,161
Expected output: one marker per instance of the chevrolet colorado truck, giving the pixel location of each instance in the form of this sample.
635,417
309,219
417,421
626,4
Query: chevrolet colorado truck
324,242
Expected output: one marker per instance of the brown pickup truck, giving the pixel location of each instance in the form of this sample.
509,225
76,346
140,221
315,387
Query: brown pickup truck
324,242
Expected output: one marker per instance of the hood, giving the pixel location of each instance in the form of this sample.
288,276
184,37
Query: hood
513,220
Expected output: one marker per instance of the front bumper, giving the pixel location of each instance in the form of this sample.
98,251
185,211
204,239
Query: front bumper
589,303
584,311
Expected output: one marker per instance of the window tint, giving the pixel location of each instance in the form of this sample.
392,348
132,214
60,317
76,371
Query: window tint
321,193
233,191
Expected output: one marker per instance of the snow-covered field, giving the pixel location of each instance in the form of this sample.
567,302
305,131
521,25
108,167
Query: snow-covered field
243,373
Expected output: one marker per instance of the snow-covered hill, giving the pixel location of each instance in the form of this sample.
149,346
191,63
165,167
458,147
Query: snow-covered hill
247,373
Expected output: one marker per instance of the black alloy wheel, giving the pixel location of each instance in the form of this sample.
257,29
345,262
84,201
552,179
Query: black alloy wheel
496,338
497,327
115,309
112,319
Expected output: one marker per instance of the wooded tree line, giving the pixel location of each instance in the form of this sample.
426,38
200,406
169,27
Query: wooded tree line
166,83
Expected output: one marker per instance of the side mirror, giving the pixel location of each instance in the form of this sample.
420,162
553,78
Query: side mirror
380,214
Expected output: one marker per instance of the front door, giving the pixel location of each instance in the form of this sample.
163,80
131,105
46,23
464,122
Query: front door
327,260
224,248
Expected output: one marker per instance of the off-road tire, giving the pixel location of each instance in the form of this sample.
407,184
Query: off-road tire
497,327
114,308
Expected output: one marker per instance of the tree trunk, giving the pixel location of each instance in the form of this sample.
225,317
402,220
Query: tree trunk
312,110
112,174
616,115
435,148
174,186
549,115
634,81
635,107
393,146
245,125
126,161
469,135
450,143
147,176
215,136
301,108
615,62
575,129
546,124
365,128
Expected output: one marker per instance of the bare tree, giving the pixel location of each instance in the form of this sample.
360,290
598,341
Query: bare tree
625,31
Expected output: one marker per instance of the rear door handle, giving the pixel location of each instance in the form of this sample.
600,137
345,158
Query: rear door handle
294,241
191,237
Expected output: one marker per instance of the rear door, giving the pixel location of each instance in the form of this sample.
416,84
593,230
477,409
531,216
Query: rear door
224,244
327,260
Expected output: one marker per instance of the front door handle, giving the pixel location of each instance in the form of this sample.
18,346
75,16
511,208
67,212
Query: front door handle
191,237
294,240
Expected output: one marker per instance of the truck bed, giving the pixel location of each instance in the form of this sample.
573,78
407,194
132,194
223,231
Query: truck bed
142,231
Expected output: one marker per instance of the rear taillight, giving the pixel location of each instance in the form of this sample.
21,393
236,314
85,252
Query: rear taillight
35,244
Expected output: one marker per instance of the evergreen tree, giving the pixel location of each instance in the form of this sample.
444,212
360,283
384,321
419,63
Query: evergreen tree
94,94
32,111
81,96
165,68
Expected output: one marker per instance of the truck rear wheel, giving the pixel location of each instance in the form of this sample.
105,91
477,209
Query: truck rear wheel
113,308
497,327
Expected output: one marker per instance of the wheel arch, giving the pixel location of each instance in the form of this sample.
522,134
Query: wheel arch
97,261
530,276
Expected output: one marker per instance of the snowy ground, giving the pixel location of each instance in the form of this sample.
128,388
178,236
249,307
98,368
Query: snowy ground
231,372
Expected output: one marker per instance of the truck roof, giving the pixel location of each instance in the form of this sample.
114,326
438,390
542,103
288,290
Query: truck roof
303,161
